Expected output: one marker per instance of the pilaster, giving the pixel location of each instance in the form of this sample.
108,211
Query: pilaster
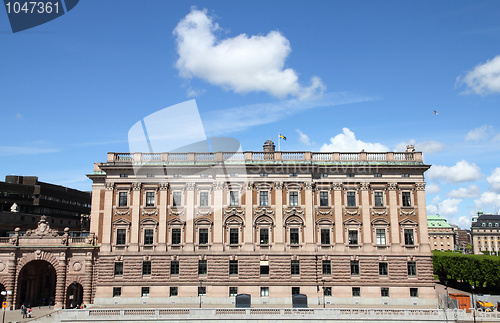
162,226
107,226
136,206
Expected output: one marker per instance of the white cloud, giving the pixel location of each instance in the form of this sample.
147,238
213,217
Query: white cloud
347,142
461,172
464,222
242,63
494,180
463,192
481,133
432,189
432,209
192,93
445,208
483,79
427,147
28,150
303,138
488,199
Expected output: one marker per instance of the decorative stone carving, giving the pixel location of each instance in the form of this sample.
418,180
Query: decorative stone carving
203,212
190,186
109,186
420,186
2,266
364,186
353,212
177,212
278,185
65,237
90,240
14,240
337,186
406,213
122,213
163,186
392,186
324,212
136,186
264,211
234,211
77,266
379,212
293,211
38,254
219,185
308,186
14,208
150,213
42,230
249,186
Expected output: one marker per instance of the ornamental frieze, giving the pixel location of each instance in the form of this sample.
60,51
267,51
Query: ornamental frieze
406,213
176,212
379,212
324,212
420,186
122,213
43,229
263,211
205,212
293,211
351,212
150,213
234,211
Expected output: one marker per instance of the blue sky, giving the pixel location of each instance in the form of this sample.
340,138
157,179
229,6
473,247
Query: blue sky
329,75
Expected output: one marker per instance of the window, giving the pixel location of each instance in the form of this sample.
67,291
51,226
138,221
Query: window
349,175
234,198
294,198
405,175
203,198
234,236
323,175
412,268
409,237
382,269
122,199
117,291
325,236
327,291
264,236
293,175
264,270
203,175
377,175
353,237
150,198
406,199
176,236
123,175
174,291
233,267
202,267
203,236
177,175
381,237
119,268
413,292
295,267
174,267
233,291
295,290
150,175
145,292
264,291
148,236
294,236
146,267
354,267
121,235
323,198
356,292
351,198
263,198
263,175
202,291
379,198
177,199
327,267
384,292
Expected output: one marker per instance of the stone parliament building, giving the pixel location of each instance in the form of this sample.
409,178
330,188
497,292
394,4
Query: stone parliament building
192,228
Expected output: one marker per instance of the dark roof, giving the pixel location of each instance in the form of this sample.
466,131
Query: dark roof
486,218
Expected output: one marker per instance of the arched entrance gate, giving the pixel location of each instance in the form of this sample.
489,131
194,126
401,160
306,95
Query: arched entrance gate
36,284
74,295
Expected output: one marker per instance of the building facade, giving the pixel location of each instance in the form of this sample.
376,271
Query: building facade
441,233
485,232
186,228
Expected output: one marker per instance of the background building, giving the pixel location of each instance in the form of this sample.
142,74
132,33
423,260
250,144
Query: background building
441,233
485,232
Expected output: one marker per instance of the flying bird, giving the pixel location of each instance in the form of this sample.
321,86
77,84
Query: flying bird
435,113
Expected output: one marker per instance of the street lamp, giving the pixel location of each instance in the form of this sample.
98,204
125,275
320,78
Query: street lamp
323,281
4,293
199,291
473,304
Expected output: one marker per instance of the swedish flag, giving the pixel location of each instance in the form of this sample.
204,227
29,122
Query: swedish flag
282,137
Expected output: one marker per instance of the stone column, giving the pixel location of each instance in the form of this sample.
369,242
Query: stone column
249,232
136,208
279,229
423,237
162,225
339,225
365,211
11,281
309,217
107,223
189,207
394,218
61,282
87,282
218,244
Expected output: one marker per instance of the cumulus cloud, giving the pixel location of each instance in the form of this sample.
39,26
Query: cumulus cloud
484,79
464,222
461,172
427,147
488,199
494,180
465,192
347,142
242,63
481,133
432,189
445,208
303,138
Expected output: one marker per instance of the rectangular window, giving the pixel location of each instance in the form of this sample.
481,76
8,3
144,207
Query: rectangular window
233,291
176,236
203,236
174,267
384,292
412,268
174,291
234,198
349,175
409,237
295,267
356,292
145,291
353,237
203,198
406,199
295,290
328,291
202,291
382,269
118,268
294,236
351,198
263,198
117,291
123,175
264,291
122,199
413,292
177,199
323,198
354,267
146,267
377,175
381,237
405,175
294,198
264,270
325,236
202,267
148,236
121,235
234,236
233,267
327,267
150,198
379,198
264,236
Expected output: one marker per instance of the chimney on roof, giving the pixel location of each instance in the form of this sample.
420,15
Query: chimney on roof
269,146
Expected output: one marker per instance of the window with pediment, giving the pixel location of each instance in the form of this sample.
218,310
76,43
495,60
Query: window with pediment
233,230
294,228
203,231
149,232
121,232
380,232
325,231
176,232
408,233
263,227
352,228
122,196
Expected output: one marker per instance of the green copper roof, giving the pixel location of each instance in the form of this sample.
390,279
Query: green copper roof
437,221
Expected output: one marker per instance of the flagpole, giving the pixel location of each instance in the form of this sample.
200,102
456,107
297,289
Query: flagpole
279,142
